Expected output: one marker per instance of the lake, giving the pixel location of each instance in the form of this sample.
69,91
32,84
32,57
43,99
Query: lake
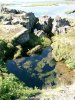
52,11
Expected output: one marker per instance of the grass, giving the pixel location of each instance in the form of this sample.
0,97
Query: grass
64,46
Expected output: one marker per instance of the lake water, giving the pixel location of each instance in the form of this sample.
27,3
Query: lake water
45,10
48,10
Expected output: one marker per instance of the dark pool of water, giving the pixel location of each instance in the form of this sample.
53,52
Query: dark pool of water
34,70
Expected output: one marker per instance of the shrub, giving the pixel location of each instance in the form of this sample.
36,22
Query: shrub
64,48
5,49
11,88
44,41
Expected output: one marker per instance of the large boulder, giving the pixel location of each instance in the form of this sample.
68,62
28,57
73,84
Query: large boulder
46,23
15,32
60,25
28,20
25,19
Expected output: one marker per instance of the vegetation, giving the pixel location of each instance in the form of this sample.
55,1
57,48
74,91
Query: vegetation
34,41
5,49
63,48
10,87
44,41
42,72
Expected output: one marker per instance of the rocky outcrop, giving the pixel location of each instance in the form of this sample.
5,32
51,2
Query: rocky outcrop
20,23
14,32
43,26
8,11
46,23
12,17
70,11
60,25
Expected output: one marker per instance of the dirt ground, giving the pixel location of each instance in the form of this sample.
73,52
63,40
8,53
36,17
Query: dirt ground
64,74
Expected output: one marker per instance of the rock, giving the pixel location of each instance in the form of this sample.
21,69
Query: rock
16,17
33,50
70,11
46,24
60,25
25,19
18,52
38,26
39,33
20,23
15,32
1,17
14,11
15,21
8,17
22,36
6,23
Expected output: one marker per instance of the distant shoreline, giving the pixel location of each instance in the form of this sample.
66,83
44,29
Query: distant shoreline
41,3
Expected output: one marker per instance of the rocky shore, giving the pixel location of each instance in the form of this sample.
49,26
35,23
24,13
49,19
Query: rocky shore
70,11
22,23
40,69
60,93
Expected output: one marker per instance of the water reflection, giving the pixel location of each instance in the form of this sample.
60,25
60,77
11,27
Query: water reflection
38,70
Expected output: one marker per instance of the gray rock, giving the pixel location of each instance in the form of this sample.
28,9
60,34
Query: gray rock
28,20
46,23
17,33
60,25
22,36
6,23
1,17
15,21
39,33
25,19
8,18
7,11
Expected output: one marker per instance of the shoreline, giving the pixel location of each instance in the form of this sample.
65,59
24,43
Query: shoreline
41,4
